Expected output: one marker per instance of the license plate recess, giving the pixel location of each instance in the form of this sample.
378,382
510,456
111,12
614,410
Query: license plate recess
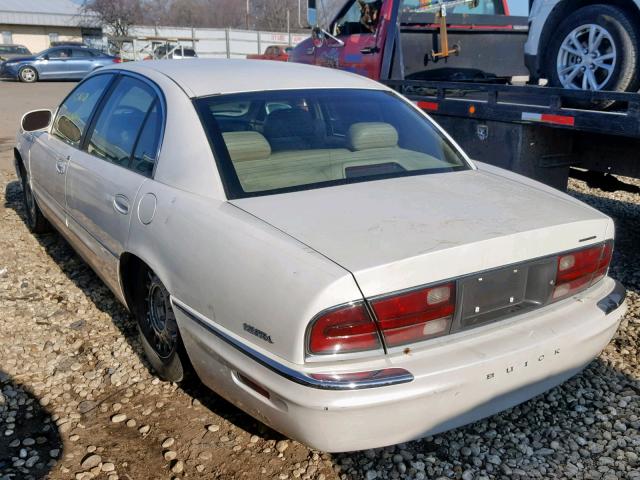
490,296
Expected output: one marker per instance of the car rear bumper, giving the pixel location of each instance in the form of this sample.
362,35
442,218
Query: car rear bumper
454,381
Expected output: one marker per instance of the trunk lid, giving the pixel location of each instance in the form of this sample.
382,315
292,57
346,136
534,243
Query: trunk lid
400,233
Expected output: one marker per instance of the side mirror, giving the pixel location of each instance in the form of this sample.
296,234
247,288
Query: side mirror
70,130
318,37
36,120
45,57
312,13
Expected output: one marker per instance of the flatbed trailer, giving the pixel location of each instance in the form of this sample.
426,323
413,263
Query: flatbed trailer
531,131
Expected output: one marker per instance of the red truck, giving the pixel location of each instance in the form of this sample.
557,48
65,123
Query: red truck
489,38
276,53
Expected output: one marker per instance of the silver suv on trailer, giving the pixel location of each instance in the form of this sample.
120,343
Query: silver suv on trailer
584,44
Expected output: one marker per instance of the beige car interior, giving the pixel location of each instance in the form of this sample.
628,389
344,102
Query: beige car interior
259,168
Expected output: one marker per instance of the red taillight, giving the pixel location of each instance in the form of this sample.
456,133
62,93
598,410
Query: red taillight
581,269
415,316
117,60
346,329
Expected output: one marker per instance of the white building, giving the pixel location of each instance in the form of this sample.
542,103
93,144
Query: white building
37,23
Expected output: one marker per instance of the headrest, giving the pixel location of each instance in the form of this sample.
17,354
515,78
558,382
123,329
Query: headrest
366,135
244,146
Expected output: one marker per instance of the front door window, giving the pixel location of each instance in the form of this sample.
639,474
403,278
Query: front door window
75,112
361,17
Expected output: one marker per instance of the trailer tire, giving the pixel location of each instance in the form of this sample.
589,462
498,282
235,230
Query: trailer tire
596,48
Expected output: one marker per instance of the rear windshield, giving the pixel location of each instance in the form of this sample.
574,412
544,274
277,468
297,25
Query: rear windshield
276,142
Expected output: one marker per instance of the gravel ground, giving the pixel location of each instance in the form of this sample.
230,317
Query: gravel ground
77,401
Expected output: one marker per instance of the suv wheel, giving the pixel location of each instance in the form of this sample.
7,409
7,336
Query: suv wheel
595,48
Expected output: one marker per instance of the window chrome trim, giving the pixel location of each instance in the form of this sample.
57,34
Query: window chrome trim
379,378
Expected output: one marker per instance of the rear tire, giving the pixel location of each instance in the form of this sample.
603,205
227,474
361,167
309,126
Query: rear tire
595,48
35,220
28,75
158,329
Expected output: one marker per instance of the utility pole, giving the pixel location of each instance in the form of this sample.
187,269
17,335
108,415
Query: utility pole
248,13
299,13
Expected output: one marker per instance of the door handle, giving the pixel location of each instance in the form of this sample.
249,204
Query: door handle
121,204
370,50
61,167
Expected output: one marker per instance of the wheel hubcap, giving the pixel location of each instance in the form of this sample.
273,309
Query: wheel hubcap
587,58
28,74
161,330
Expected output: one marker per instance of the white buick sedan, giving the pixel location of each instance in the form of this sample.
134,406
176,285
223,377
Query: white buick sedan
317,249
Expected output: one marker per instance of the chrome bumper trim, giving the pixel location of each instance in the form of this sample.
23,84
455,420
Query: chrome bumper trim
613,301
324,381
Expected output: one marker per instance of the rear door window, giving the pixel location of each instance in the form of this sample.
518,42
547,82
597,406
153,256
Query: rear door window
75,112
120,121
81,53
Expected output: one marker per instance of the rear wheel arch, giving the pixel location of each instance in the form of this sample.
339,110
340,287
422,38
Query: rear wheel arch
135,273
566,8
130,268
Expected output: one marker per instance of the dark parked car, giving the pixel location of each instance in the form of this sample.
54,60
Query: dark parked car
8,52
57,63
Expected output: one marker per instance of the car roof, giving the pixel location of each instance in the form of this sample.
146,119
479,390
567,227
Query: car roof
203,77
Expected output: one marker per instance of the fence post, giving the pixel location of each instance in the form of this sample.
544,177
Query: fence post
259,43
228,41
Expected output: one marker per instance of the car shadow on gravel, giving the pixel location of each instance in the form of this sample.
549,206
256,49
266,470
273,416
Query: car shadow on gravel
33,445
97,292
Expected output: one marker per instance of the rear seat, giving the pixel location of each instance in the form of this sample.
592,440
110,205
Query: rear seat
372,143
260,169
